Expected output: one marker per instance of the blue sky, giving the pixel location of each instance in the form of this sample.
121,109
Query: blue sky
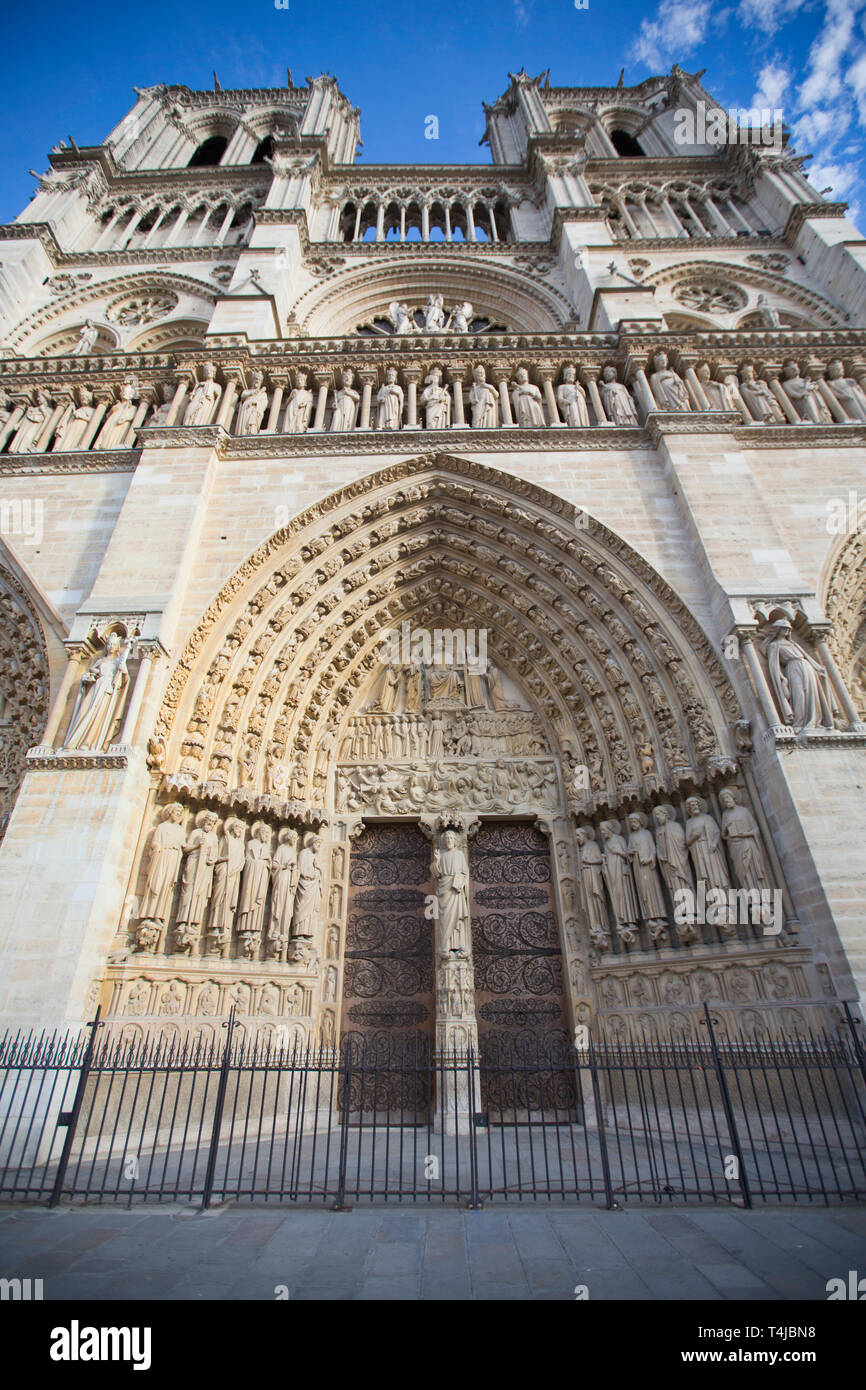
69,69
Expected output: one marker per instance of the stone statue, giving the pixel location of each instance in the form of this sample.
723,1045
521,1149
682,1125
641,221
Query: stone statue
226,886
308,894
86,339
100,697
484,400
461,317
300,406
436,400
720,395
848,392
389,402
704,839
642,854
162,412
76,423
31,425
283,873
571,399
616,399
762,404
252,407
668,389
201,852
324,753
345,403
617,875
592,881
204,398
118,420
805,396
451,872
434,314
526,400
769,316
254,887
163,866
743,839
401,318
799,681
672,852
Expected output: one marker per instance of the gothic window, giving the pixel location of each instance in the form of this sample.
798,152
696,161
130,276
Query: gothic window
626,145
209,152
264,149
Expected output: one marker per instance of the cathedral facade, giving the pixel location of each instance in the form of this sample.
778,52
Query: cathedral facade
432,596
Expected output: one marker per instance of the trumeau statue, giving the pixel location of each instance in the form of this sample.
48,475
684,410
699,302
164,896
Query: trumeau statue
252,407
118,420
300,406
86,339
848,392
800,684
74,428
345,403
204,398
100,697
616,399
526,400
484,400
571,399
668,388
389,402
805,396
451,872
760,400
436,400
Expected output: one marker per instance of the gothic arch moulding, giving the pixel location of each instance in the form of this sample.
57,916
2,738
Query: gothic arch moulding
360,294
843,595
24,683
99,300
730,281
622,678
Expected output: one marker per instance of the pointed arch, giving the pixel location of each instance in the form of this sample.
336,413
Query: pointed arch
843,596
623,676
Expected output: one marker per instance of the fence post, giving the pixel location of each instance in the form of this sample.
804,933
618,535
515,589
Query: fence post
600,1127
340,1204
474,1203
858,1047
218,1110
729,1111
69,1118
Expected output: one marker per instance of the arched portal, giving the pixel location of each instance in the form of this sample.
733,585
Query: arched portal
447,649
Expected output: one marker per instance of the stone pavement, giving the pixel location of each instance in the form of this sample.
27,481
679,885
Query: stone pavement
383,1253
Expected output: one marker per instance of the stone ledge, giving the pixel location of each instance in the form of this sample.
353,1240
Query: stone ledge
45,758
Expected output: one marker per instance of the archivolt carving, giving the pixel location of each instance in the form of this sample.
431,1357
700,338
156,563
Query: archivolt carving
683,273
23,687
357,295
103,291
625,679
844,597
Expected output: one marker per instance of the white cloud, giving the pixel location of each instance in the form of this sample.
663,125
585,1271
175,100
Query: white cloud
767,15
824,79
773,83
521,14
677,30
841,178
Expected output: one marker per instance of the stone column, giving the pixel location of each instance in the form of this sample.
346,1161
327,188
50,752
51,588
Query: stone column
848,707
772,375
500,377
279,384
412,375
642,391
227,405
547,373
71,675
589,376
323,382
367,377
456,374
146,400
103,401
11,426
133,709
174,414
762,689
51,425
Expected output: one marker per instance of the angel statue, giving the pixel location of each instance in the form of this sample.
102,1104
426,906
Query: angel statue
401,318
460,318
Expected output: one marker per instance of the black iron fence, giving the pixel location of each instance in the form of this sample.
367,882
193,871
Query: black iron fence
92,1119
